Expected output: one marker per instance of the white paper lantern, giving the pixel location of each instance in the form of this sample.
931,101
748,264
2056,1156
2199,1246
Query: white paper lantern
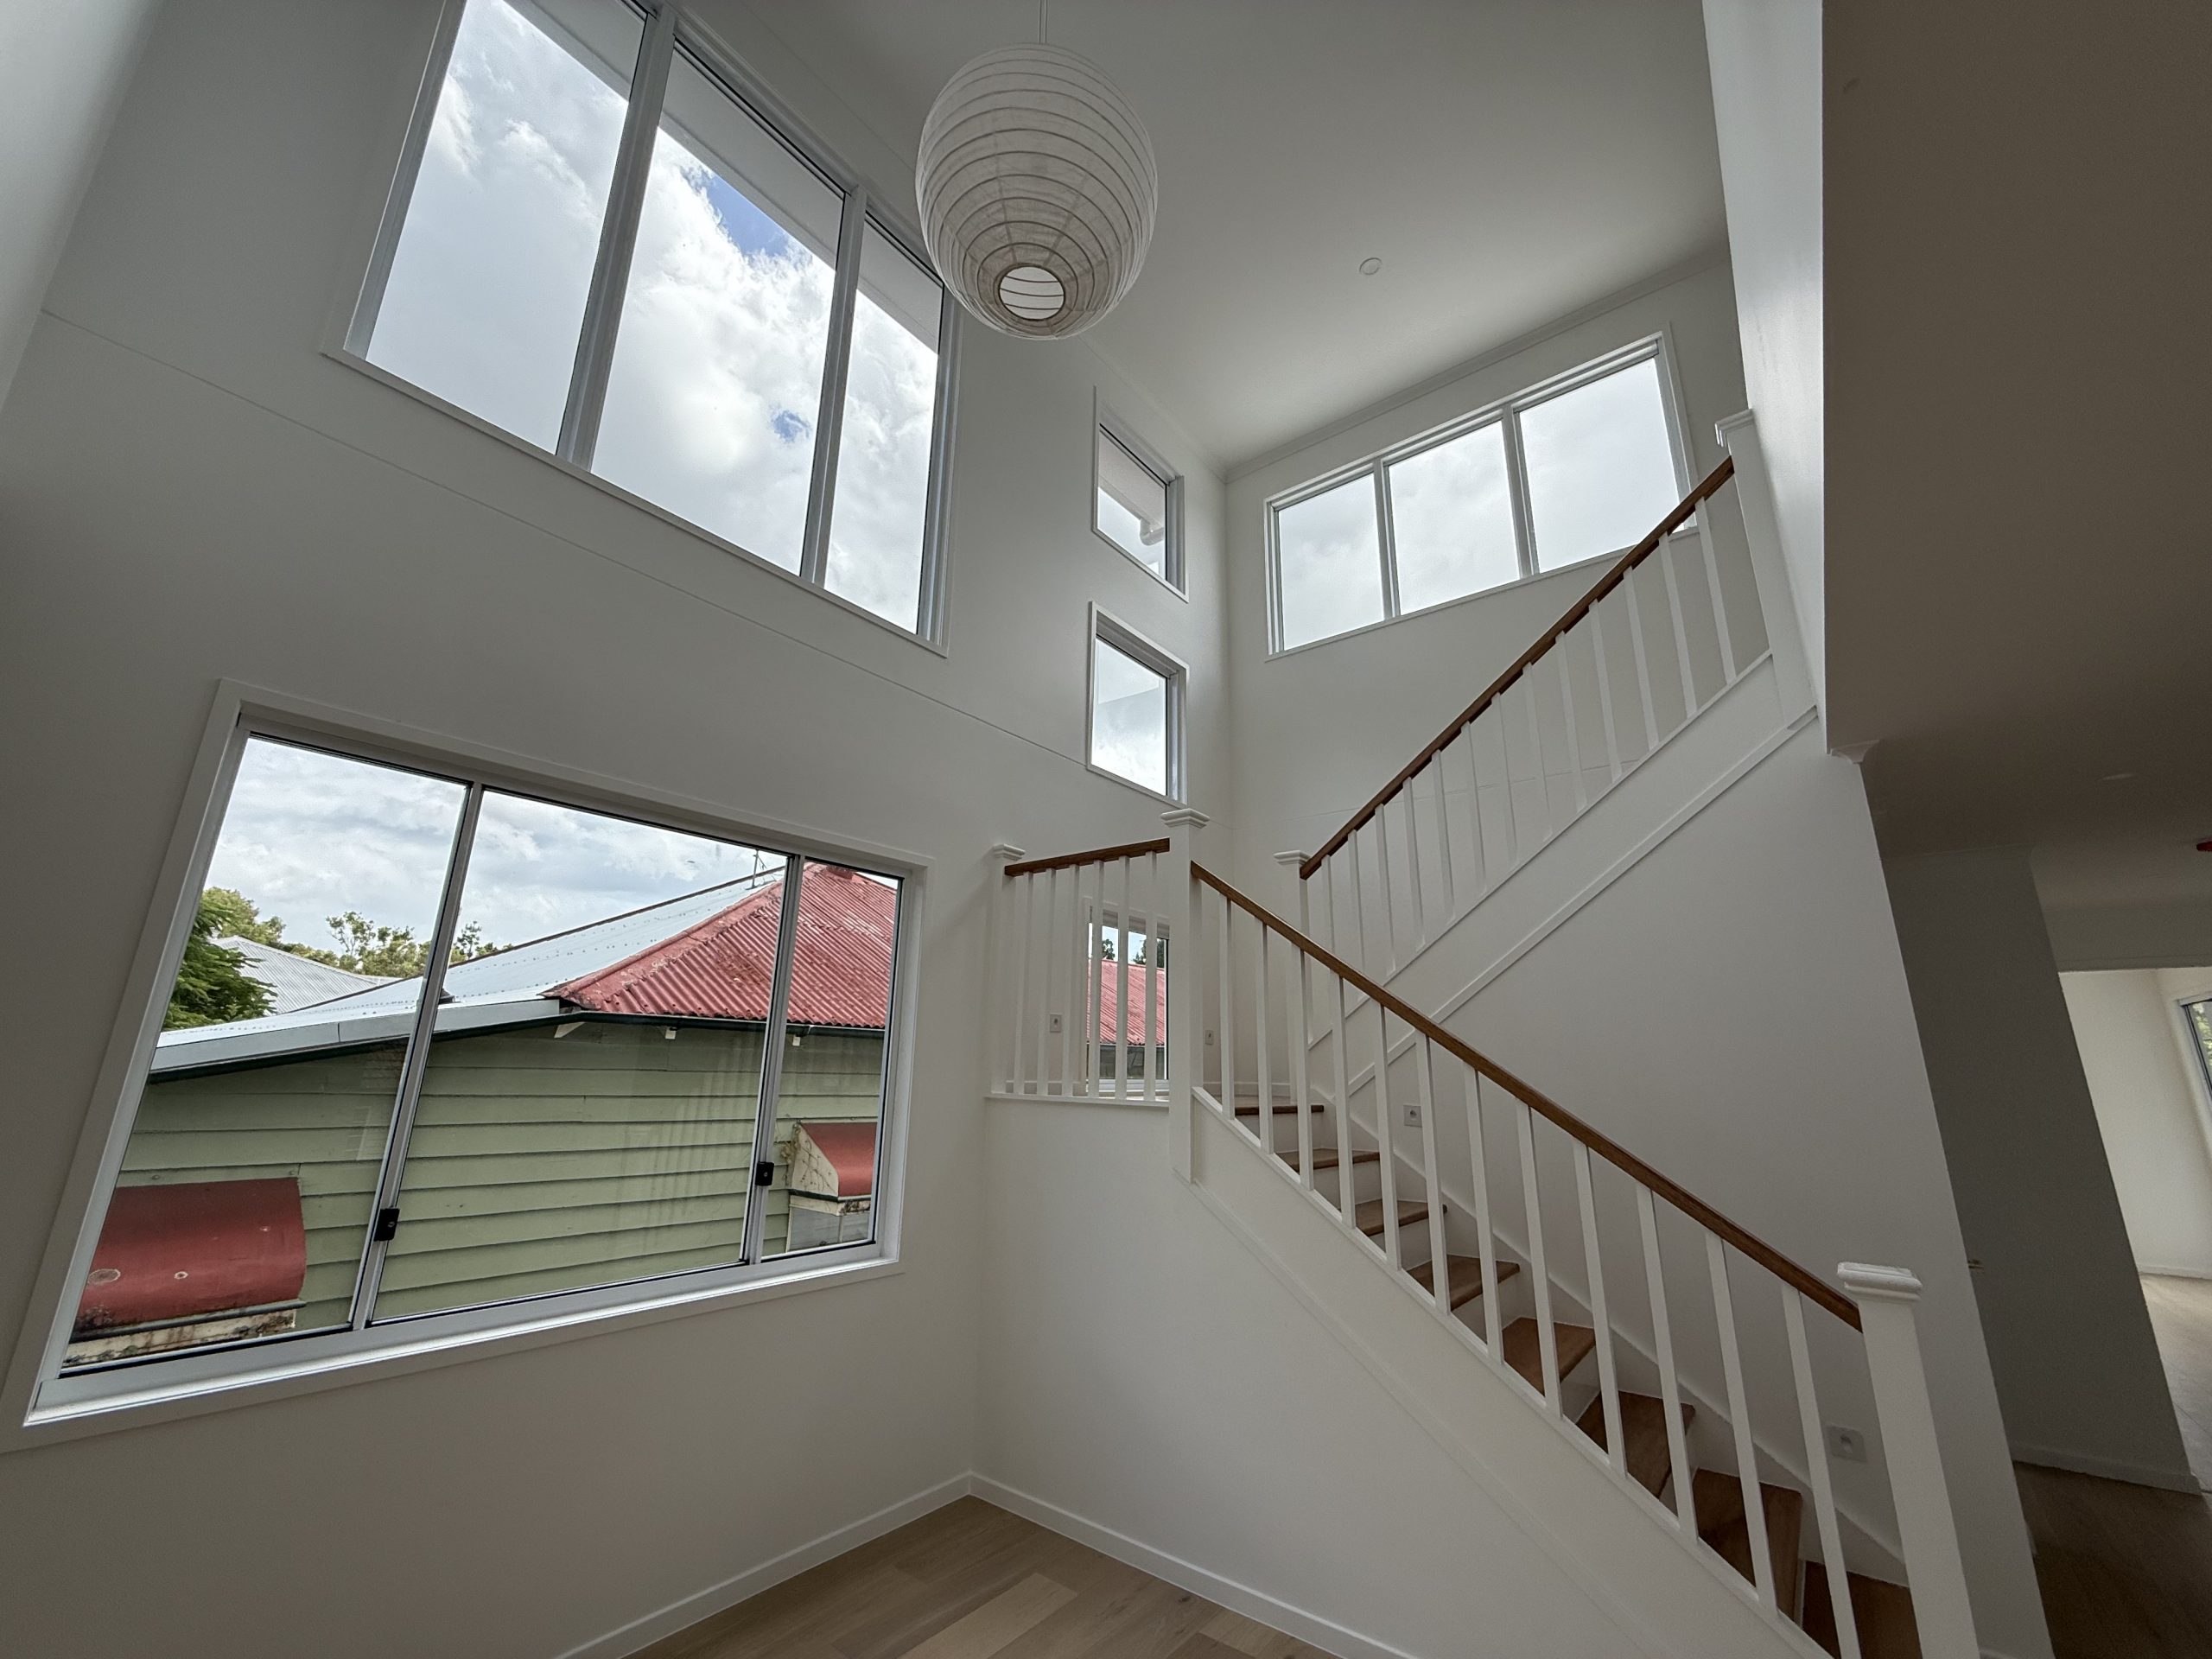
1038,191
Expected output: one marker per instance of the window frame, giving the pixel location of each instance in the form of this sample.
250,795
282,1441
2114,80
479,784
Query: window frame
1104,625
1506,413
669,28
42,1404
1109,426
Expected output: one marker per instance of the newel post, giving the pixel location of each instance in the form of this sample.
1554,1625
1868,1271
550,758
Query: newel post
1785,633
999,972
1179,911
1887,1298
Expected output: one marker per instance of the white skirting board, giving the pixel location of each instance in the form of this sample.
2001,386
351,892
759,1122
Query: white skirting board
1310,1627
2139,1474
649,1628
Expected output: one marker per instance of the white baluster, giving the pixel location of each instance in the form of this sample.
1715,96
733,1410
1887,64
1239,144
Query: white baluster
1443,833
1024,905
1527,688
1740,1416
1347,1205
1154,1023
1069,1011
1505,766
1666,558
1176,908
1475,800
1609,1386
1816,1467
1662,1343
1413,864
1358,959
1719,605
1300,1039
1641,650
1093,982
1532,1208
1479,1158
1439,1274
1045,977
1573,731
1926,1526
1604,693
1385,1139
1266,1122
1226,1037
1389,892
1122,987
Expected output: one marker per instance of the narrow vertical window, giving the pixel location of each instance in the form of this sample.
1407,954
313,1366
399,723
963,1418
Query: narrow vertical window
716,381
248,1185
1136,710
493,268
877,528
1135,502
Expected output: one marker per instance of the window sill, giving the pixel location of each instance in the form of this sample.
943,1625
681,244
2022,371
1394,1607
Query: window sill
1178,593
1595,561
1145,789
1107,1098
412,1345
584,476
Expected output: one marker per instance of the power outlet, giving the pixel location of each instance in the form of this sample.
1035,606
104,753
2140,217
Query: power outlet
1209,1040
1412,1110
1846,1444
1056,1024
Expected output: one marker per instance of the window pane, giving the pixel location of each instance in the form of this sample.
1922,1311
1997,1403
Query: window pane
1128,718
1601,473
883,450
717,382
485,296
587,1113
1451,515
1132,508
1330,576
242,1206
830,1096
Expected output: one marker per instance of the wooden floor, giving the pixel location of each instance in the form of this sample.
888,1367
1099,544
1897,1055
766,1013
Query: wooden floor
2181,1316
970,1581
2126,1570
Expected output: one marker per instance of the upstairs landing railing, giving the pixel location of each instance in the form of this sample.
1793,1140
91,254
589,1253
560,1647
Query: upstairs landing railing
1672,624
1238,997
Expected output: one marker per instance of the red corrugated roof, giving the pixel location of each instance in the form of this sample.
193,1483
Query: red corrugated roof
168,1251
1144,1003
722,967
850,1147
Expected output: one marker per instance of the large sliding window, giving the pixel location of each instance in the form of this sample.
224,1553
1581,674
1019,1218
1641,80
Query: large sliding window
600,243
1577,468
436,1045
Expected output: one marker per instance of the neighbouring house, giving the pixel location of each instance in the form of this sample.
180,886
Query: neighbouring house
295,982
612,1056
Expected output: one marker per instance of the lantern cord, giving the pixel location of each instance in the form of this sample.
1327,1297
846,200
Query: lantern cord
1041,5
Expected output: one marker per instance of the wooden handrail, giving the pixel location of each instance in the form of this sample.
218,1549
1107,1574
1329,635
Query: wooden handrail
1813,1288
1098,855
1582,608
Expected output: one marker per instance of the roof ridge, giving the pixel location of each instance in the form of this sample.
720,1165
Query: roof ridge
725,917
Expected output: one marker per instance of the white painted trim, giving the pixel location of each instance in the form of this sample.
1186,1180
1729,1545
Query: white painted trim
1116,1103
2155,1272
649,1628
2137,1474
1308,1627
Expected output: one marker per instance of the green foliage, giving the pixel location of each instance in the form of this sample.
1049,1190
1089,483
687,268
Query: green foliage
211,983
367,947
236,915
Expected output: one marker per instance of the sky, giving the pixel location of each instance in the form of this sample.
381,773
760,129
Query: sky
308,835
1129,726
715,386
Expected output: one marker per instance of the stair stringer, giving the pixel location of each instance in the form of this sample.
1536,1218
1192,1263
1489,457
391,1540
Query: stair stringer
1666,1590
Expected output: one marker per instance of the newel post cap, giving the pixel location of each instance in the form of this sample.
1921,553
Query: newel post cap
1293,859
1864,1280
1182,815
1006,850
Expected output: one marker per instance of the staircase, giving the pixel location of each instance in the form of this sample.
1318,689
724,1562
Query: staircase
1694,1364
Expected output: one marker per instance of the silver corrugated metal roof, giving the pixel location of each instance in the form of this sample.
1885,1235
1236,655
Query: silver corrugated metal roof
295,981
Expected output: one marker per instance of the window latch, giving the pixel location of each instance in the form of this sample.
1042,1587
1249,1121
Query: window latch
387,1225
763,1173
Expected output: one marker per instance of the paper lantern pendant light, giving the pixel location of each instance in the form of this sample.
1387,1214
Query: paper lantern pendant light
1038,191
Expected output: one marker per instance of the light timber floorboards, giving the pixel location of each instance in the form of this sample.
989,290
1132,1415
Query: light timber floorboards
971,1581
2181,1319
2126,1570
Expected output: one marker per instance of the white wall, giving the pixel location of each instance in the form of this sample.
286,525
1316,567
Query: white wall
192,491
1765,56
2150,1109
2070,1344
2157,935
1320,730
62,72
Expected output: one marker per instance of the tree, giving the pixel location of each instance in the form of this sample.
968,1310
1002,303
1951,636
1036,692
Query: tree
388,952
237,916
211,983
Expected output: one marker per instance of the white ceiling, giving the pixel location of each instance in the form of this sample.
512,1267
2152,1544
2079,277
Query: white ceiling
1509,160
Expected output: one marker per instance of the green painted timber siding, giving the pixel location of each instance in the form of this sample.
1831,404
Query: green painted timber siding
538,1162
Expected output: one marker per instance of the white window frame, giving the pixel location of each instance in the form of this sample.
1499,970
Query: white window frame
1103,625
41,1404
1505,412
1110,427
668,29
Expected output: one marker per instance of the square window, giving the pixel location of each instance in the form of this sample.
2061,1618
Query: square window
1601,466
1452,519
1136,710
1137,503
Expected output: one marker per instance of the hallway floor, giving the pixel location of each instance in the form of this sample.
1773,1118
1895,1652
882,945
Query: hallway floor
2126,1570
2181,1318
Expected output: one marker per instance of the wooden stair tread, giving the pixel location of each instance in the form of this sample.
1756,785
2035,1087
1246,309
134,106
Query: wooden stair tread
1524,1349
1882,1610
1644,1427
1369,1215
1327,1157
1465,1274
1719,1500
1253,1111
